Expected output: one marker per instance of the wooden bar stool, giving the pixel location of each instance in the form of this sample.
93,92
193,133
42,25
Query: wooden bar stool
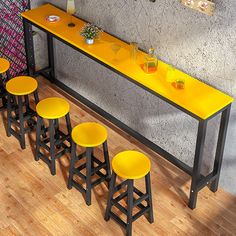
4,77
89,135
52,109
130,165
19,111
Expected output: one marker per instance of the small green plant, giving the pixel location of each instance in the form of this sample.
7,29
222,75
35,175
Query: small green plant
90,31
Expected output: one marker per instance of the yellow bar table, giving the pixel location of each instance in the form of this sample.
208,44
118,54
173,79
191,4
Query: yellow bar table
197,99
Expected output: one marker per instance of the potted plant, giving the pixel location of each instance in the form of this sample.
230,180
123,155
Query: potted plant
90,32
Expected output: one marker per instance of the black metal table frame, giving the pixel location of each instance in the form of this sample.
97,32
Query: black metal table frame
198,180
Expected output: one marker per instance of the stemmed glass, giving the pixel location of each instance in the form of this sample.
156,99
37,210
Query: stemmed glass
115,48
71,11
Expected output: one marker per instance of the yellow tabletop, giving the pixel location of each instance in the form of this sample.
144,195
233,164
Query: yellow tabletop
197,97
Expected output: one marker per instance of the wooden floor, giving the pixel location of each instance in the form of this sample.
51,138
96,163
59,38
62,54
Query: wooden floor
32,202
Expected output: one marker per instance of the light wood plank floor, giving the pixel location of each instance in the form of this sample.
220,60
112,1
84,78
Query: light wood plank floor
32,202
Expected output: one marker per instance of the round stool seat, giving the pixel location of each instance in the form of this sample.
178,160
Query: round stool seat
4,65
52,108
131,165
89,134
21,85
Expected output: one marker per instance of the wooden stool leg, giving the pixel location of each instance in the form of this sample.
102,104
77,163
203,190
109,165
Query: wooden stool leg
130,201
72,163
110,196
106,156
88,175
52,147
21,119
149,201
9,110
38,136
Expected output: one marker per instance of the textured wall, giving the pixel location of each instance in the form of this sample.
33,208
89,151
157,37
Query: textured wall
203,46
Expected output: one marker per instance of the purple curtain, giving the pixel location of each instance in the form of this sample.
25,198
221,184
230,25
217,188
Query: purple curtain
12,35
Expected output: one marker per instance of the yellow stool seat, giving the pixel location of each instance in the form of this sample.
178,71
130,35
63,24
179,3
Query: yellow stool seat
21,85
4,65
131,165
52,108
89,134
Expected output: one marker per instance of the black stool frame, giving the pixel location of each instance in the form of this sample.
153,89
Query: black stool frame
131,202
17,116
56,141
3,92
91,170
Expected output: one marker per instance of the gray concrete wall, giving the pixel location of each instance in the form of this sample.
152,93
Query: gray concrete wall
202,46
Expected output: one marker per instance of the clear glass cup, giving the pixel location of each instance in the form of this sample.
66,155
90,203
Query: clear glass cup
115,48
179,83
133,51
170,74
71,10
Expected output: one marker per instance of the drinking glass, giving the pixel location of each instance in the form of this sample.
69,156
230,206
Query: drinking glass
71,11
179,83
133,51
115,48
170,75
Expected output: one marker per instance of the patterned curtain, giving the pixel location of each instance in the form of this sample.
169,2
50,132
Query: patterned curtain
12,35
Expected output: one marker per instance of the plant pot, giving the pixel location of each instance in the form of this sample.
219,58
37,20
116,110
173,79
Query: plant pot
89,41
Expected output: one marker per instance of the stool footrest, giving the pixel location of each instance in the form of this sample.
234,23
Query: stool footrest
15,134
63,152
121,196
140,213
98,168
77,171
44,158
117,219
138,192
78,187
138,202
63,137
44,145
120,186
98,181
119,206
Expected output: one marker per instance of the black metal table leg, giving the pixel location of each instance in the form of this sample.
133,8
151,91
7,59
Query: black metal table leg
51,57
197,163
220,148
29,47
